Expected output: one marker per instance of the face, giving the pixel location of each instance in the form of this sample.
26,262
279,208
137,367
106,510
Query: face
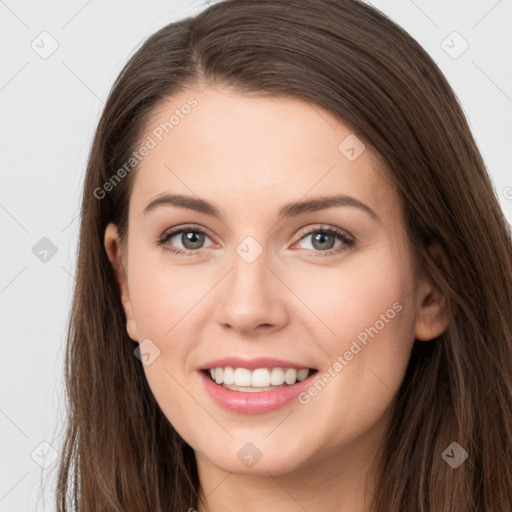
249,265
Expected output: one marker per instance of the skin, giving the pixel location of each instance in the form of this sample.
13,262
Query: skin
249,155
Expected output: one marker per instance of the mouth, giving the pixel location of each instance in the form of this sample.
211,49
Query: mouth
257,380
255,385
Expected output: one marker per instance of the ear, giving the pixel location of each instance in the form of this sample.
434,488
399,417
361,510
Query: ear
432,305
113,248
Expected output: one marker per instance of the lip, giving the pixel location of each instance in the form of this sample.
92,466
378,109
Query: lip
253,364
257,402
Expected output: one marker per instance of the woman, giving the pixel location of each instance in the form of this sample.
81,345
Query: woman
294,279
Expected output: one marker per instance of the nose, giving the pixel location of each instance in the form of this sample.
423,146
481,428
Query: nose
252,297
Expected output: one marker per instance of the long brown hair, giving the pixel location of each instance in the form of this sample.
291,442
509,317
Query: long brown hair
120,452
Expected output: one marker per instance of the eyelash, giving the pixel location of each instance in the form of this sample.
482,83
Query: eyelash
347,241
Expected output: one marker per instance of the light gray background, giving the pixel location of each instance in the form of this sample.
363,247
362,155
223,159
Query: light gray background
49,109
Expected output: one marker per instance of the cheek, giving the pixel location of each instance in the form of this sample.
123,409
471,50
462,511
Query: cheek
348,300
365,367
163,301
163,296
368,318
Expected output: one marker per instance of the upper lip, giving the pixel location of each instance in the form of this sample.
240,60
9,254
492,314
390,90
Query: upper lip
252,364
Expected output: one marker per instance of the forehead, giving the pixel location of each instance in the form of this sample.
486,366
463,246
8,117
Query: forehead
251,152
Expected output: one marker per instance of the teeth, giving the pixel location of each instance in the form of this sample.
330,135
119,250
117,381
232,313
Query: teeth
259,378
302,374
277,377
242,377
229,375
290,376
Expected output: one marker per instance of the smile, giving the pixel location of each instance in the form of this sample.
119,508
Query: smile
258,380
254,390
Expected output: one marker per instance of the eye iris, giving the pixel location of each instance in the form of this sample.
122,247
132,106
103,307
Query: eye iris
192,237
321,237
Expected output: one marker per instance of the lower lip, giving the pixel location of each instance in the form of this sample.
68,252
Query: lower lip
256,402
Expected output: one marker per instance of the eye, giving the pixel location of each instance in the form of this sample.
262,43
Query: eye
324,240
191,237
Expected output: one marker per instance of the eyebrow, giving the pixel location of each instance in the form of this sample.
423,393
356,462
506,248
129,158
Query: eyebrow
288,210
